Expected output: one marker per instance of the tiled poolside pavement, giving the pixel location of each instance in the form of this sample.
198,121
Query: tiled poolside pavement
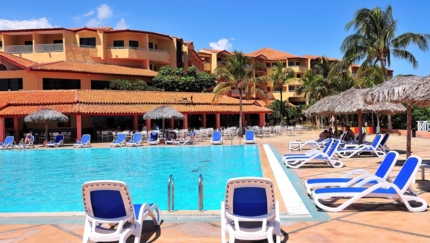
370,220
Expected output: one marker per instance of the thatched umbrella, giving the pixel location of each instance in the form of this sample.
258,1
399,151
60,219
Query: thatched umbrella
396,90
352,102
163,112
420,94
46,115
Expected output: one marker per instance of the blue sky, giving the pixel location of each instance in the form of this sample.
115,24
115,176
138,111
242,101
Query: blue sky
297,27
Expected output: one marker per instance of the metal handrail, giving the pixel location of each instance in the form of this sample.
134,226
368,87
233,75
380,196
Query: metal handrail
170,193
201,184
135,48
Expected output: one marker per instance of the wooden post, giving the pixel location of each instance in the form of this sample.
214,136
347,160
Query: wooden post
16,128
172,123
148,124
409,129
360,129
262,119
185,121
2,129
135,123
78,127
204,120
217,121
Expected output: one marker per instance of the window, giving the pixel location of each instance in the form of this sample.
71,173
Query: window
133,44
56,83
11,84
99,84
298,75
150,66
1,44
155,68
118,43
297,63
268,89
291,88
268,64
58,41
284,64
290,63
151,45
87,42
218,59
28,43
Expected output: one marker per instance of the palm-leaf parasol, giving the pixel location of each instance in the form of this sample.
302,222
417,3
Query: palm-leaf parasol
163,112
46,115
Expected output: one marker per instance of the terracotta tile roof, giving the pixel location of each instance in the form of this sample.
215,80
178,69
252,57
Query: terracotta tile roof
316,57
256,56
272,54
19,61
113,102
94,68
205,50
138,31
31,30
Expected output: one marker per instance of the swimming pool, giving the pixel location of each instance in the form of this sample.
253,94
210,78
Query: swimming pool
50,180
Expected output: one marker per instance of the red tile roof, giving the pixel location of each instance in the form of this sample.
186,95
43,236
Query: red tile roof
21,103
93,68
19,61
316,57
272,54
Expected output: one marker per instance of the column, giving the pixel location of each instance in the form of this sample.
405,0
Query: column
78,127
204,120
135,123
16,129
262,119
148,124
172,123
217,121
2,129
185,121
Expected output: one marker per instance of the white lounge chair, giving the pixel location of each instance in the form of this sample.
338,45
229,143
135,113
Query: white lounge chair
310,152
191,139
350,150
84,142
119,141
216,138
319,144
9,142
23,145
249,137
109,202
398,190
249,200
57,142
329,158
347,180
136,140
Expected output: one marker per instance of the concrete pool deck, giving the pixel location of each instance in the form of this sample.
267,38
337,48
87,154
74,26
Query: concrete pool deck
369,220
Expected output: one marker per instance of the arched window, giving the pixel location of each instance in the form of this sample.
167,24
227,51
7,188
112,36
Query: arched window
3,67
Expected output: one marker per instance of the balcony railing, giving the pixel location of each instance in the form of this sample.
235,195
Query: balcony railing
18,49
49,47
136,48
138,53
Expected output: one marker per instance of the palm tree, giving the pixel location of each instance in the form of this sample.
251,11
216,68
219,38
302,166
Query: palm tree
280,76
374,41
313,86
237,74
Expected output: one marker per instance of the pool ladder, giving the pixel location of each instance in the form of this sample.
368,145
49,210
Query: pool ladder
171,193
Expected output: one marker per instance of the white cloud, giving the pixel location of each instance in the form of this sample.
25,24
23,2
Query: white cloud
121,25
103,13
6,24
91,12
222,44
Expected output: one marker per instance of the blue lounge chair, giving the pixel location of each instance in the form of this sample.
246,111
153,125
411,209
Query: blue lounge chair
9,142
350,150
216,138
346,180
398,190
109,202
84,142
329,158
57,142
310,152
136,140
250,211
119,141
153,138
249,136
383,144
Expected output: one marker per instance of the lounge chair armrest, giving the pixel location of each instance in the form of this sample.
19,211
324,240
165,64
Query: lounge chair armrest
352,172
359,180
120,221
369,179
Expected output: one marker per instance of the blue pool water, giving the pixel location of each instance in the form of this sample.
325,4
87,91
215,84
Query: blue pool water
50,180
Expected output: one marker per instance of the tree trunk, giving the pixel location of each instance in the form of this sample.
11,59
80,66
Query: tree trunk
240,114
409,130
384,78
282,110
360,129
378,127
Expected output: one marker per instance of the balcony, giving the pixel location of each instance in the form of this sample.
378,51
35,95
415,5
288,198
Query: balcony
299,69
18,49
49,47
138,53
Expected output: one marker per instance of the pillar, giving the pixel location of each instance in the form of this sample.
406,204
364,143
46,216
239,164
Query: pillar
217,121
2,129
204,121
78,127
262,119
148,124
243,119
360,127
172,123
135,123
16,128
185,121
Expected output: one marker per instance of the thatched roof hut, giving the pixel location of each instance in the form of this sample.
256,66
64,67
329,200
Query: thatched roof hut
163,112
321,107
420,94
46,115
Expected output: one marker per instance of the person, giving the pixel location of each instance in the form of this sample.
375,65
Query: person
155,126
350,135
330,133
323,135
28,139
172,136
